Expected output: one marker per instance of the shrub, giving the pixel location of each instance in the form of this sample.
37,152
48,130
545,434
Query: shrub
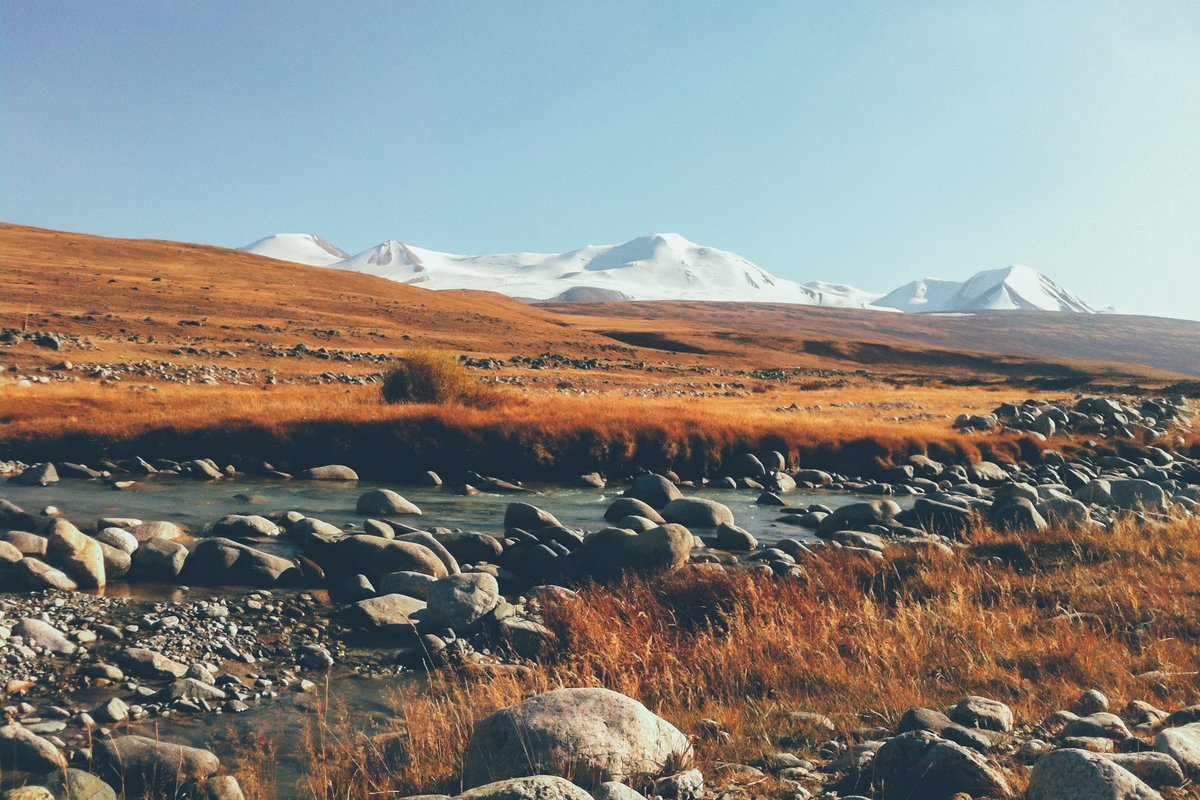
431,376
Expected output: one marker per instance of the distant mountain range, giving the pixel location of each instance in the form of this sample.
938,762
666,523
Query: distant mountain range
665,266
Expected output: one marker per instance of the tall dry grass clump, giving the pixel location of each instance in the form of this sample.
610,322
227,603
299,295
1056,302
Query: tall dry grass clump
436,377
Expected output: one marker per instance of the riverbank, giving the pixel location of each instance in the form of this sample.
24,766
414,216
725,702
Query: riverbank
817,666
531,436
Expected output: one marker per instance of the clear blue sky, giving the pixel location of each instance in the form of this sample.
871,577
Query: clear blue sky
868,143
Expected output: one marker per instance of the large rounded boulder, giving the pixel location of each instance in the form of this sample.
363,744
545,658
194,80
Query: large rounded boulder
697,512
375,557
1071,774
653,490
587,735
385,503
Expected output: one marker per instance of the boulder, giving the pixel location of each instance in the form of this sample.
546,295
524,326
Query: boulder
159,560
1183,745
375,557
385,503
987,473
37,633
660,550
624,507
528,517
1155,769
535,787
75,784
138,762
224,562
1135,494
389,615
697,512
1072,774
239,526
413,584
982,712
1016,514
922,764
653,490
157,529
34,575
731,537
116,537
428,540
76,554
37,475
331,472
145,663
24,750
590,735
116,561
468,547
459,602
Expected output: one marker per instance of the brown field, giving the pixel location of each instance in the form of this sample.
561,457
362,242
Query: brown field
673,383
858,640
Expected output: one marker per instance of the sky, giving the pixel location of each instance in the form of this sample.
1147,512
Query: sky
868,143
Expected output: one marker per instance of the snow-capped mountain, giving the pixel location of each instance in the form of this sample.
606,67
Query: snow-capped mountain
1006,289
665,266
301,248
659,266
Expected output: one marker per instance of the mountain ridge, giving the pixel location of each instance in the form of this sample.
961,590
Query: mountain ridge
668,266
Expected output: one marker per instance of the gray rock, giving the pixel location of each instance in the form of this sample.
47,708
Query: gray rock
981,712
223,787
75,784
37,633
697,512
223,562
613,790
1135,493
536,787
385,503
624,507
116,537
528,517
157,529
139,761
459,602
389,615
38,475
375,557
653,490
237,526
921,764
413,584
592,735
1072,774
1183,745
1155,769
731,537
146,663
23,750
76,554
159,560
34,575
331,472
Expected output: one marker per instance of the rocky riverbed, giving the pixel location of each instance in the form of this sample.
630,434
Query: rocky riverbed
110,623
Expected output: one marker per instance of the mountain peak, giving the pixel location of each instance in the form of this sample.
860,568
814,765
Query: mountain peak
301,248
1012,288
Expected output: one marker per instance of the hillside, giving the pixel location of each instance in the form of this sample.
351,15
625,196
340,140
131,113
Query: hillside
114,301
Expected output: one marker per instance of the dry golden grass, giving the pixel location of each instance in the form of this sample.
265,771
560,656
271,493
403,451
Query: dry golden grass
525,435
857,639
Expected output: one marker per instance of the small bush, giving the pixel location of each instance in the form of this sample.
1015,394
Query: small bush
430,376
